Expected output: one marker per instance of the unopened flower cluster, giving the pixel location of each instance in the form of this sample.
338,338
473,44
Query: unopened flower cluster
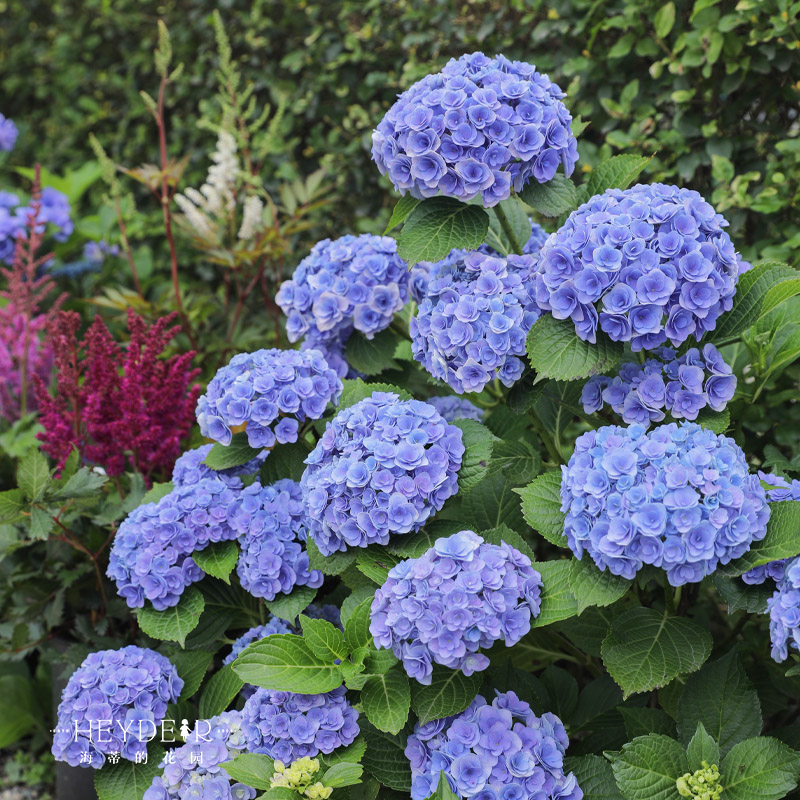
646,264
15,218
461,595
678,497
453,408
288,726
269,391
682,387
272,525
501,751
299,777
702,784
113,703
479,127
383,466
196,769
471,326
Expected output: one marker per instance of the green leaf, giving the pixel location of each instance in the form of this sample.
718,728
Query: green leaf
595,777
402,208
158,491
741,597
492,504
375,563
17,709
592,587
173,624
126,780
352,754
356,629
721,698
324,639
42,523
33,475
334,564
279,793
558,602
84,483
518,220
285,461
643,721
192,666
556,351
702,747
502,533
11,504
285,663
218,559
288,606
664,19
219,692
518,461
716,421
371,356
619,172
781,540
235,454
648,767
386,700
356,390
759,769
344,773
450,692
252,769
385,758
645,650
552,199
541,507
438,225
478,443
443,790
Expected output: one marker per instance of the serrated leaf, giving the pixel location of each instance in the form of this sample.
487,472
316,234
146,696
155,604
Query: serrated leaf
556,351
356,629
648,767
84,483
503,533
324,639
762,768
126,780
284,461
344,773
158,491
740,596
385,758
375,563
176,623
552,199
11,504
592,587
491,504
288,606
354,599
219,692
619,172
235,454
252,769
351,754
33,475
781,540
541,507
450,692
595,777
371,356
41,523
386,700
702,747
645,650
218,559
716,421
334,564
558,602
518,461
356,390
192,666
478,442
402,208
644,721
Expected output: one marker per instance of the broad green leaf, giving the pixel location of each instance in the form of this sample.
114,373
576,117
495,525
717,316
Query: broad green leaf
84,483
781,540
762,768
385,758
403,207
450,692
279,793
354,599
218,559
352,754
173,624
219,692
334,564
158,491
592,587
648,767
524,393
664,19
284,461
356,390
741,597
288,606
619,172
11,504
643,721
41,523
595,777
226,607
33,475
702,747
192,666
558,602
518,220
235,454
557,406
386,700
356,629
285,663
721,698
518,461
375,563
478,443
541,507
324,639
371,356
556,351
491,504
126,780
645,650
344,773
438,225
552,199
251,769
17,710
716,421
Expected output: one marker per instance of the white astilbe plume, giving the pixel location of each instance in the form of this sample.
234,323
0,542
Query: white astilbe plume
221,181
194,216
251,217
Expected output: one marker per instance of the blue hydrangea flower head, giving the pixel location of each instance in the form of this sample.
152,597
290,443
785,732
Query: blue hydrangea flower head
648,264
272,524
462,595
151,558
478,127
8,134
189,468
452,408
501,751
682,387
784,612
472,325
287,726
383,466
270,392
678,497
54,210
113,703
196,769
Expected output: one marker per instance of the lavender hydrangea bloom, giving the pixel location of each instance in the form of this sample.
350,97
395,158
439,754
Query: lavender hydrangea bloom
461,595
189,468
287,726
784,612
383,466
678,497
452,408
284,387
471,326
501,751
151,558
477,127
647,264
54,209
196,770
113,703
272,524
8,134
642,393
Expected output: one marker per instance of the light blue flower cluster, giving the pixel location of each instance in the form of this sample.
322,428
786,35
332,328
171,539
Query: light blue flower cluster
461,595
784,612
383,466
351,283
678,497
452,408
113,703
196,769
642,393
284,387
655,258
478,127
272,524
8,134
471,326
151,558
287,726
501,751
14,218
189,468
94,254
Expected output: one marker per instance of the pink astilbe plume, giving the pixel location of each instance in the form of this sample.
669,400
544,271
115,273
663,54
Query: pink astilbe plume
122,407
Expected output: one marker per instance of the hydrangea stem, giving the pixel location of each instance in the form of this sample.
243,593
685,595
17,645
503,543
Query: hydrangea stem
507,229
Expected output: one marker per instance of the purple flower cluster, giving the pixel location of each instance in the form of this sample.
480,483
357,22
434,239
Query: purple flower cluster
272,524
383,466
655,255
477,127
784,612
14,218
642,393
196,769
287,726
471,326
678,497
8,134
151,558
189,468
452,408
501,751
461,595
257,389
113,703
